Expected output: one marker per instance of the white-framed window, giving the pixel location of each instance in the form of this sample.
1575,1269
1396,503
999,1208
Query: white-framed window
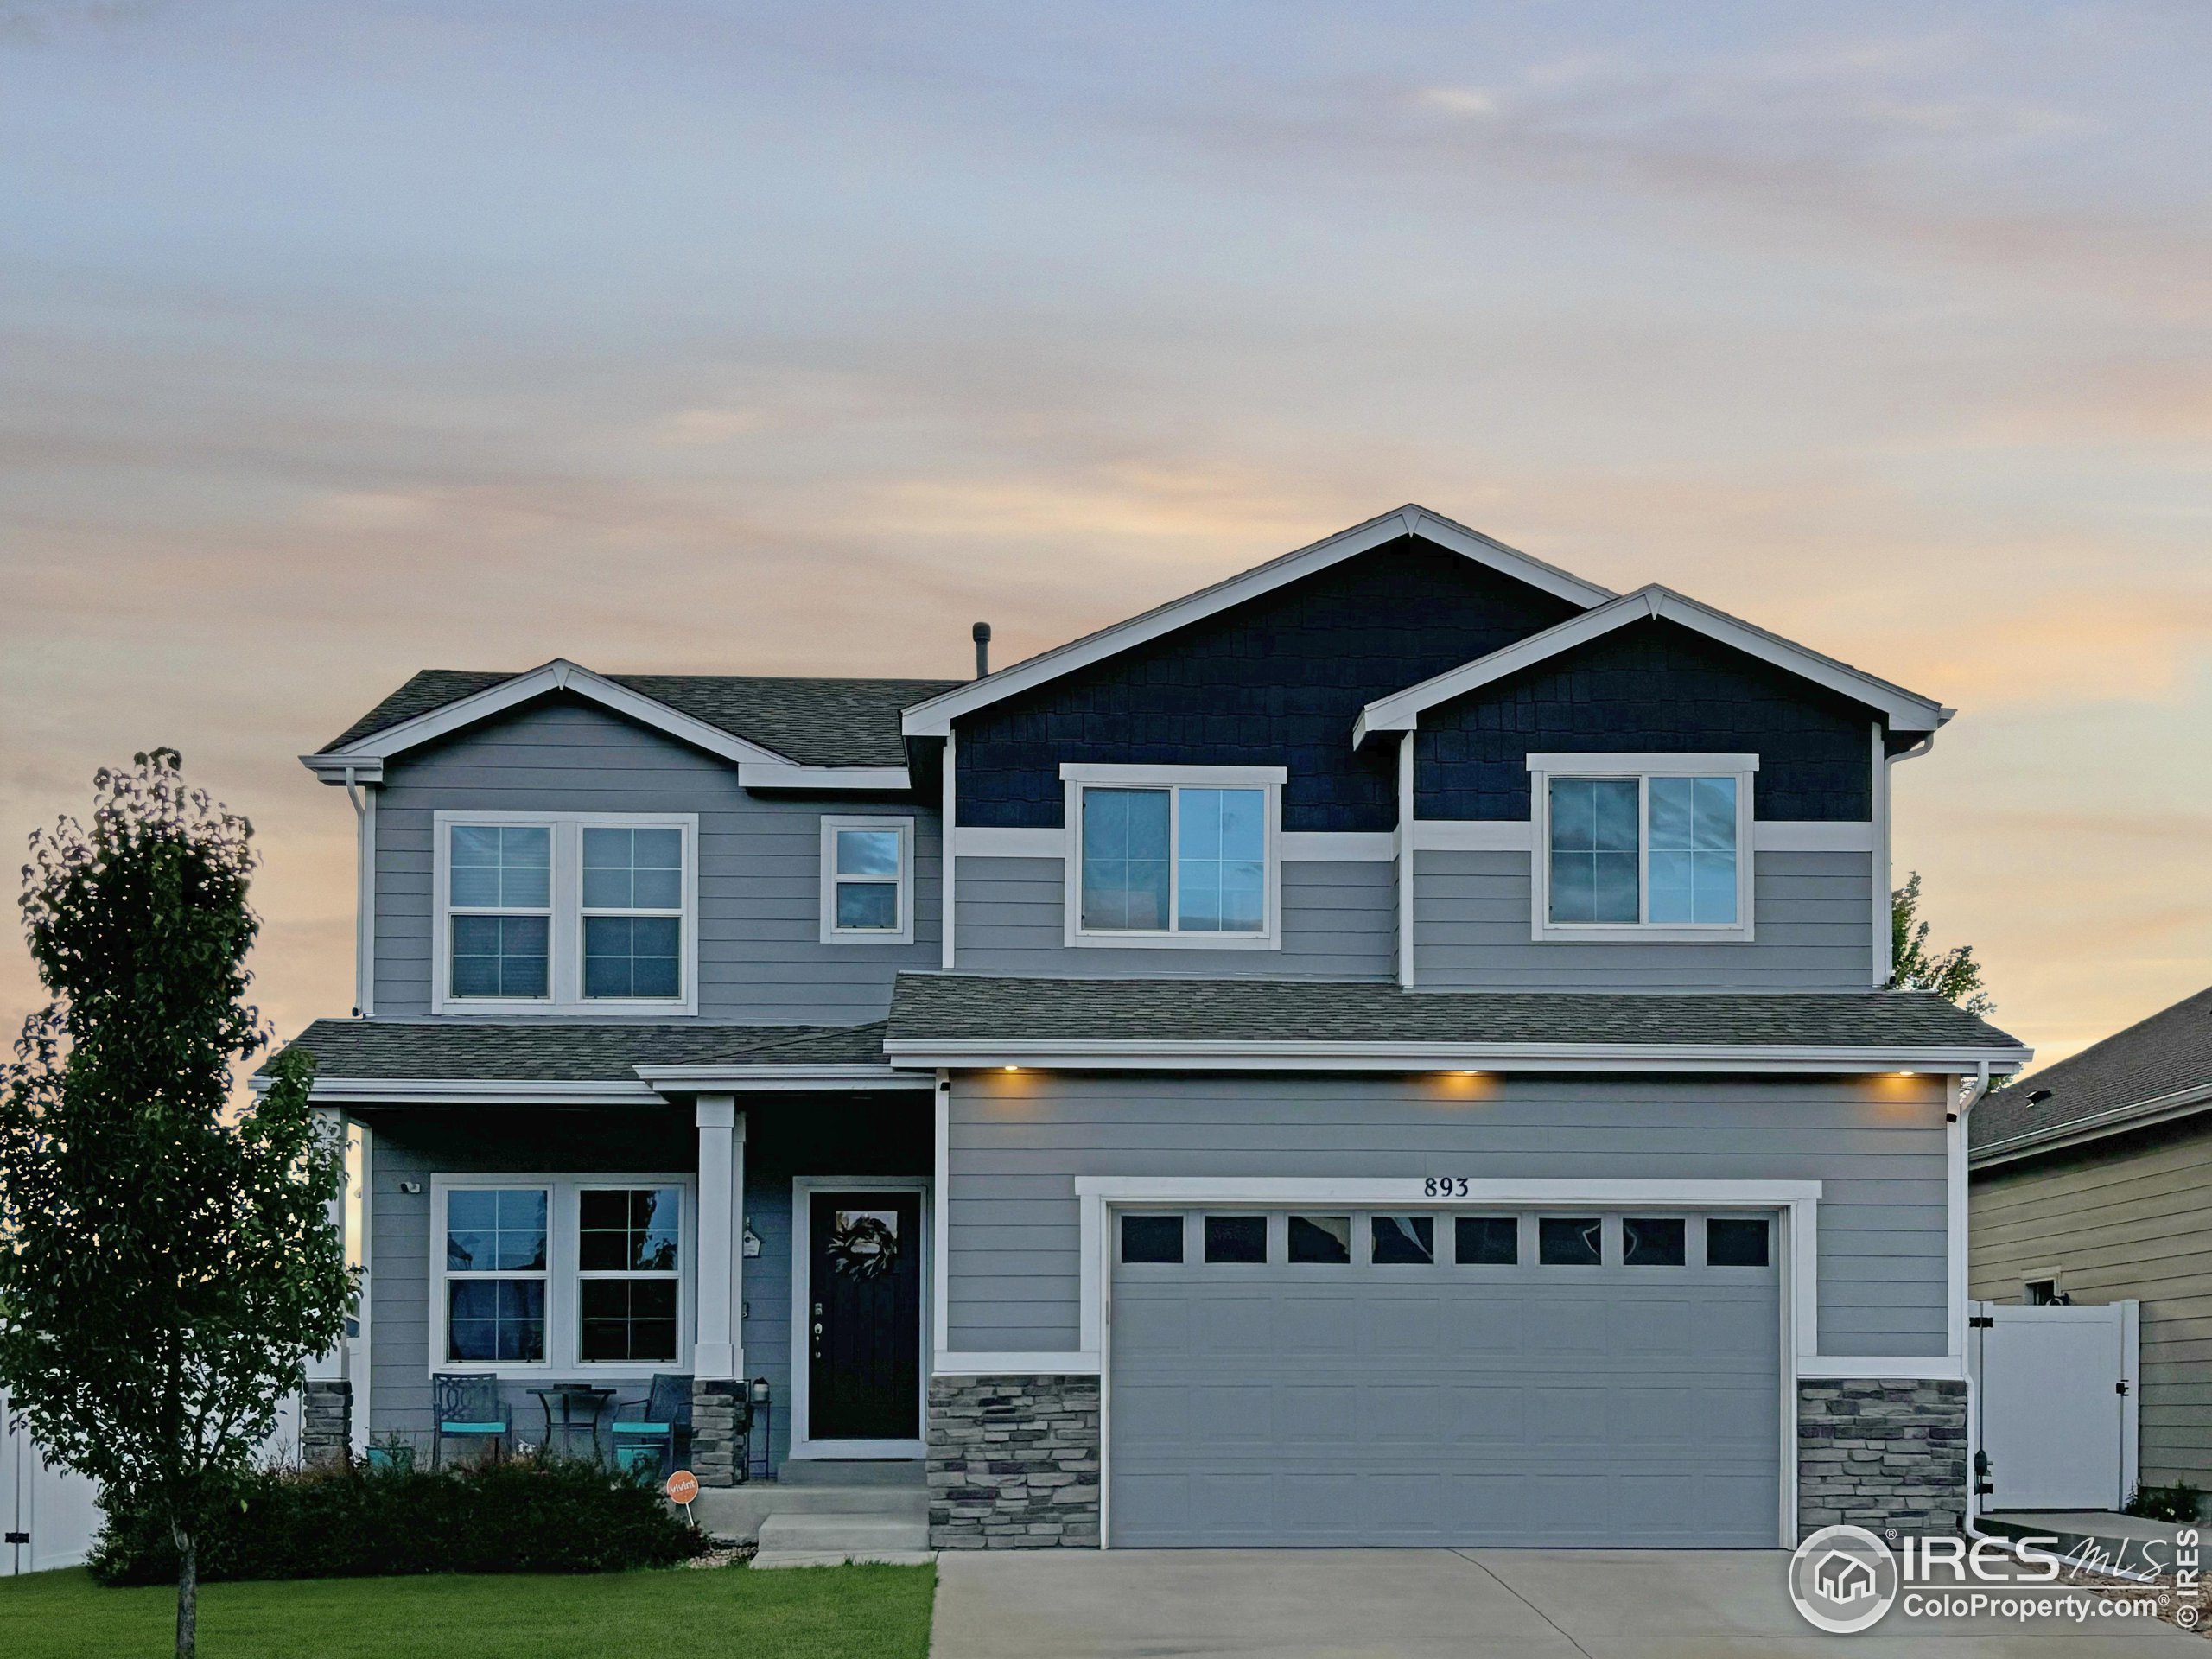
547,1273
565,913
1641,847
867,881
1174,855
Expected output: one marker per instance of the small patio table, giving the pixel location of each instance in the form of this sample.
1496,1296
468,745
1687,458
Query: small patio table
581,1407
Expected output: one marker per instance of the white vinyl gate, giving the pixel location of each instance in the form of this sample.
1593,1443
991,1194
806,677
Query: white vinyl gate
2058,1397
50,1513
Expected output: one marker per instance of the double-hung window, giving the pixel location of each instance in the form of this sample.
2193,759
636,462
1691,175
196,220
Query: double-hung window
565,913
1651,846
1183,855
546,1272
867,881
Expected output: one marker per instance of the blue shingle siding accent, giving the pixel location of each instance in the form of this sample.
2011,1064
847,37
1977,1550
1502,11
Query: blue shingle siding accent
1278,681
1652,687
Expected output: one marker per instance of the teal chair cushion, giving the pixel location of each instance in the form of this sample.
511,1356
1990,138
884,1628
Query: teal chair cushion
472,1428
641,1428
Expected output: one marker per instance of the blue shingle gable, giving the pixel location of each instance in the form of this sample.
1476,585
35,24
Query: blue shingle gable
1651,687
1278,681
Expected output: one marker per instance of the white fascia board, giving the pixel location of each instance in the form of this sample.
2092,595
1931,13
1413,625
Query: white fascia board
737,1078
1137,1054
2119,1120
786,774
1084,772
339,768
559,675
934,717
501,1091
1905,711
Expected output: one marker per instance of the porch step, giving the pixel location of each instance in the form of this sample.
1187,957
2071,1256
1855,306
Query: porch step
738,1512
852,1471
803,1539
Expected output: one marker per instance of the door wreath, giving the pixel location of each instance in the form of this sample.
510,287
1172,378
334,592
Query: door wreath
865,1246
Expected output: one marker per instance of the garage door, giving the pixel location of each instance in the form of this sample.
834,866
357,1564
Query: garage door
1319,1377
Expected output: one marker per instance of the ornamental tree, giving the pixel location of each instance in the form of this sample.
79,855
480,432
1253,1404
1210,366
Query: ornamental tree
168,1264
1953,974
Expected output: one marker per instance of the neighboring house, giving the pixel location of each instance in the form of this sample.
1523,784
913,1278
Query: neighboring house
1391,1048
2089,1185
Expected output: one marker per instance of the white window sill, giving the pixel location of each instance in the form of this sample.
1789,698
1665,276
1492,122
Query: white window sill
462,1006
860,936
1638,933
1175,941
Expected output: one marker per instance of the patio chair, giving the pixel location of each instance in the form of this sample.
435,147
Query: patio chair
466,1407
651,1439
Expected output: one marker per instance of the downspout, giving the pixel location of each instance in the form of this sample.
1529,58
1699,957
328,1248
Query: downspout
365,895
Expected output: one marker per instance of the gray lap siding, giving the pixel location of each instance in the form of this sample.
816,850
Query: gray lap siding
762,958
1017,1142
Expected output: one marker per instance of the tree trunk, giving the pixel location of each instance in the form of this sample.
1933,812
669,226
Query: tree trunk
187,1592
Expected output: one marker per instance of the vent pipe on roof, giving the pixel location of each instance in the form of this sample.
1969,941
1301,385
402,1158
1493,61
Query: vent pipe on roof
981,633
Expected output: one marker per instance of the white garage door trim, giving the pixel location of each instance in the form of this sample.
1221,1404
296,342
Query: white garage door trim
1797,1201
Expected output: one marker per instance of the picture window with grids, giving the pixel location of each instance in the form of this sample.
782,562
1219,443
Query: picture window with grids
1635,847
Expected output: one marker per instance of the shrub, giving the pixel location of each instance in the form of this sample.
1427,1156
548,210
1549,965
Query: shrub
530,1515
2176,1503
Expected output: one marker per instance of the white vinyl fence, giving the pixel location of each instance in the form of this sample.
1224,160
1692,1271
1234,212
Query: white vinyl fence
52,1515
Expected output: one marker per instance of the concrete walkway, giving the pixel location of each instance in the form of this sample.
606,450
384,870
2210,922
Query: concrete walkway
1431,1604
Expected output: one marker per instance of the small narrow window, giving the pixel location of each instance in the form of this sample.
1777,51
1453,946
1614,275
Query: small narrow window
629,1243
495,1274
634,914
868,868
1155,1240
1320,1240
1570,1241
1487,1241
1654,1241
1736,1242
2044,1292
499,880
1403,1241
1237,1238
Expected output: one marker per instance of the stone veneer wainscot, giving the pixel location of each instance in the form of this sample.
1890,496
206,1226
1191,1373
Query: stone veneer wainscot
1014,1462
1886,1454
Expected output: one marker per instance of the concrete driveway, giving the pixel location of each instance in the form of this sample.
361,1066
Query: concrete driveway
1470,1604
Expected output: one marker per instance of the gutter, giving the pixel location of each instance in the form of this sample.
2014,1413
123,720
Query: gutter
2160,1109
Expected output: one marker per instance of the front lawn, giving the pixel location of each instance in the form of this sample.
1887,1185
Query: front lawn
837,1612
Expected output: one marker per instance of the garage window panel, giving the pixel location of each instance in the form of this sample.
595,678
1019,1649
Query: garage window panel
1486,1241
1152,1241
1738,1241
1403,1241
1320,1241
1654,1241
1571,1241
1237,1239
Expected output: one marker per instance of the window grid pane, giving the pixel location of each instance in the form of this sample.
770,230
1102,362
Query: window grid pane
1593,849
1221,861
1693,850
1125,859
633,956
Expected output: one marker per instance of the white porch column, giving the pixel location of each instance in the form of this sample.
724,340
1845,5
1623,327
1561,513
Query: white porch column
719,1352
331,1367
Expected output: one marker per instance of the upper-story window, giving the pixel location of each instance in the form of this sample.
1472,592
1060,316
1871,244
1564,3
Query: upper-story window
1176,855
552,912
1650,846
867,881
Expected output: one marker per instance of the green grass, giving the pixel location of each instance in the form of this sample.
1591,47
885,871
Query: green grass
834,1612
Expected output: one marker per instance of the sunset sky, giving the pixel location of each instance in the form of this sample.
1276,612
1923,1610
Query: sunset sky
337,341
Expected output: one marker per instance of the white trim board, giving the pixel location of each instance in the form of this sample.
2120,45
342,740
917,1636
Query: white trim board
1519,835
1298,846
803,1187
457,1092
738,1078
935,717
1905,711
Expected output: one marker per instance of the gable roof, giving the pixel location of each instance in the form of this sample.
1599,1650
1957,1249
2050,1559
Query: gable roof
1906,711
2157,1069
774,724
934,717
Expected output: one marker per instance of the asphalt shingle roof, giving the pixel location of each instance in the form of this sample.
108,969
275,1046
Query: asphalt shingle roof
953,1007
816,722
2167,1054
561,1051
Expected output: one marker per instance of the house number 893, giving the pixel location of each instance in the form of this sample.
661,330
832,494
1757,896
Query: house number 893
1444,1186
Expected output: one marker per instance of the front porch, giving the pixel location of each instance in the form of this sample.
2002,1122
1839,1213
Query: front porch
770,1245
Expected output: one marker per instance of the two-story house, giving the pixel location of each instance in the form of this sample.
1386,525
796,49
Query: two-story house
1394,1048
